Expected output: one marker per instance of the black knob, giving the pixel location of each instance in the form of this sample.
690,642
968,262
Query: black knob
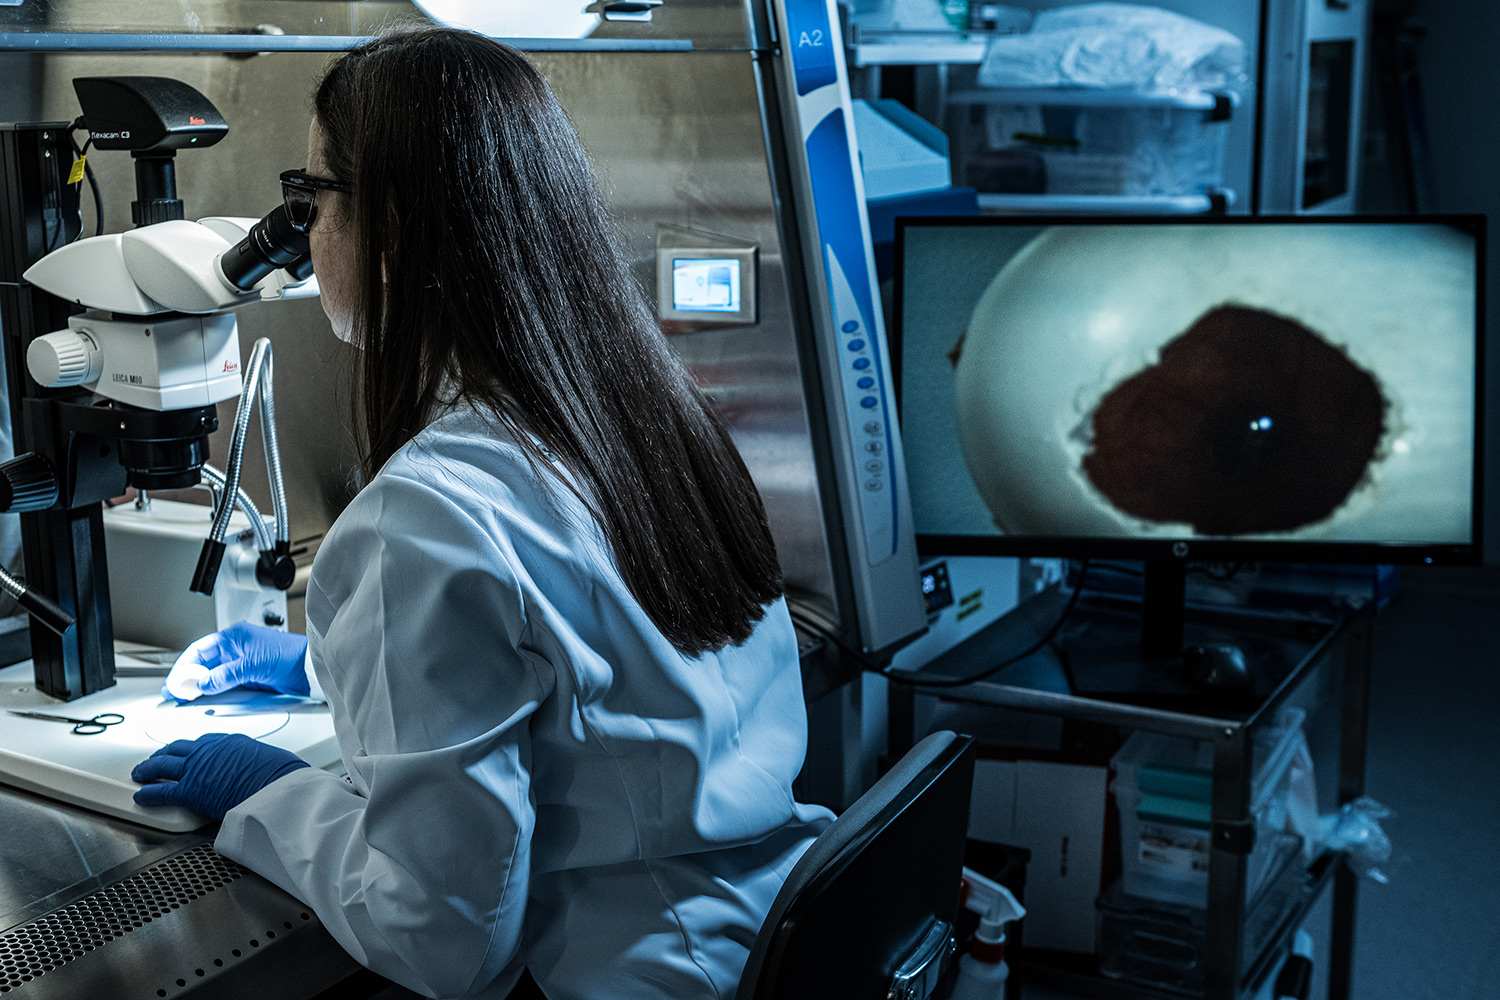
275,569
27,483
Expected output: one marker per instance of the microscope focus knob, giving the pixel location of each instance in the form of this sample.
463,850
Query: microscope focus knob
64,358
27,483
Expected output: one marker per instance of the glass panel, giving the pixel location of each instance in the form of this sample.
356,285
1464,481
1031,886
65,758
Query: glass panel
196,16
42,25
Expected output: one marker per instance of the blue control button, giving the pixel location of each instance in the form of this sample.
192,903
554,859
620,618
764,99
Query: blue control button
869,402
851,325
861,363
866,382
856,344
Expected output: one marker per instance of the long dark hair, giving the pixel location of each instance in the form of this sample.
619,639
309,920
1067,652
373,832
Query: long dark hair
487,271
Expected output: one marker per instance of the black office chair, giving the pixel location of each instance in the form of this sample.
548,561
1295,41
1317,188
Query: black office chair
868,911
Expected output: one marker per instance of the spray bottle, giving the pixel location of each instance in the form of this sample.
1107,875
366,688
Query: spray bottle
982,972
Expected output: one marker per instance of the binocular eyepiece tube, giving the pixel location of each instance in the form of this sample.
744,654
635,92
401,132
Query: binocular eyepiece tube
272,243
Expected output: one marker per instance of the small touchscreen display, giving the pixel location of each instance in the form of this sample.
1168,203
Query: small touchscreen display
706,285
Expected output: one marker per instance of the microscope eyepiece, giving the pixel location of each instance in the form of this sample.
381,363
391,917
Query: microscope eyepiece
272,243
301,268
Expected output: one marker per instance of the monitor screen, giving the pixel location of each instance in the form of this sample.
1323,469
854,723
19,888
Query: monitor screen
1229,387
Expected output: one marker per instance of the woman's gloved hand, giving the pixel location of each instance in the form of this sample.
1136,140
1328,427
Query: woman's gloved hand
212,774
242,655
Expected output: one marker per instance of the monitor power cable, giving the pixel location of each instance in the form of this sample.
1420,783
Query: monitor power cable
88,174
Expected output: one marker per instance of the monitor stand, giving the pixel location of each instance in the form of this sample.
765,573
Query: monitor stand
1136,656
1163,609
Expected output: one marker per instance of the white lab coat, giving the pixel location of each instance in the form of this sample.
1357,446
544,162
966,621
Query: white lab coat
537,778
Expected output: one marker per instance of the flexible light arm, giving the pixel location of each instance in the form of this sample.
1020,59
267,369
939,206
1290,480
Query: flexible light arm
274,568
237,442
41,607
272,449
263,538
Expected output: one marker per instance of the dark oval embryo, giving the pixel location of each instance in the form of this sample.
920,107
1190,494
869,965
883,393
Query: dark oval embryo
1250,422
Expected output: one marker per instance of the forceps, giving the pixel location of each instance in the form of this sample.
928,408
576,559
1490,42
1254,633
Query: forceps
83,727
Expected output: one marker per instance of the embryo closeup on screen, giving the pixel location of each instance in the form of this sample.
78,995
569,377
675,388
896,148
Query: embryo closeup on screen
1232,379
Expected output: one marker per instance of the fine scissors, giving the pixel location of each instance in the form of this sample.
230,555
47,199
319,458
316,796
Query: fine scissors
83,727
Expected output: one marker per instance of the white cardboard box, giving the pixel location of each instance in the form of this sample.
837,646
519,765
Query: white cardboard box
1055,811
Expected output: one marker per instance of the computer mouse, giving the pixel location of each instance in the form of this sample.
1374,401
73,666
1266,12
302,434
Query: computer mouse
1217,665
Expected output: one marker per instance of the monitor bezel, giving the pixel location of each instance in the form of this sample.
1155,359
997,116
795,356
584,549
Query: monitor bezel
1210,549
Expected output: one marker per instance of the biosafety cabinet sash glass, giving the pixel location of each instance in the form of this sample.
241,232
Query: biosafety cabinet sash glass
1231,388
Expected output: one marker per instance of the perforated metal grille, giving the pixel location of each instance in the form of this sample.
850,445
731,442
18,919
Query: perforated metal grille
36,948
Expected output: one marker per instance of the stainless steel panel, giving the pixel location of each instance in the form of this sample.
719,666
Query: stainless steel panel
708,24
293,17
1292,29
48,847
265,100
1281,140
678,139
186,923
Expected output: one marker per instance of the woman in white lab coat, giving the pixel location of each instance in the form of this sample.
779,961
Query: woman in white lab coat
550,629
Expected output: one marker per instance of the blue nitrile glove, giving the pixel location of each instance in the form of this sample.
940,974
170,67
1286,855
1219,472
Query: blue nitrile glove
242,655
212,774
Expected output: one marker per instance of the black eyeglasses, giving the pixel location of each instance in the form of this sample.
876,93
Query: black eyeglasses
299,190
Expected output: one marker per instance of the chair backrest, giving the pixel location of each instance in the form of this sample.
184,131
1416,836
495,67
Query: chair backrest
877,888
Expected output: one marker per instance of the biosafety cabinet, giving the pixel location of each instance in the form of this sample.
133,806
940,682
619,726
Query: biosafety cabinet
722,134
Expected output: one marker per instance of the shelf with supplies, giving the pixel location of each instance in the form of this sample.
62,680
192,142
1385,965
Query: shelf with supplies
918,51
1218,106
1062,150
1176,937
1258,886
1079,150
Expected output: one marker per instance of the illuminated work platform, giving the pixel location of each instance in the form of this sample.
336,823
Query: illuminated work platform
48,758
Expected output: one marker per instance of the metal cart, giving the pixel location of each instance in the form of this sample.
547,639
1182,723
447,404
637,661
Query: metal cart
1318,660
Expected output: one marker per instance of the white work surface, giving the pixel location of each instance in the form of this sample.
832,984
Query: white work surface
48,758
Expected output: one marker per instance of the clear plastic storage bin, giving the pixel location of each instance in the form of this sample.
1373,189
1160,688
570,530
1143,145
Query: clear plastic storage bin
1164,943
1163,788
1132,151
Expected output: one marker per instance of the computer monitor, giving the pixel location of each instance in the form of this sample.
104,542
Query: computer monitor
1216,388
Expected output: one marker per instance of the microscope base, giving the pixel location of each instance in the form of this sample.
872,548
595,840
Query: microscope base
49,759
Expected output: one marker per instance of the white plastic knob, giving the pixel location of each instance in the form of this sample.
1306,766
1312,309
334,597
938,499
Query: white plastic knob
64,358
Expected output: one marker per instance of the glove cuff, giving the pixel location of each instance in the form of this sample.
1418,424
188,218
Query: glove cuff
295,764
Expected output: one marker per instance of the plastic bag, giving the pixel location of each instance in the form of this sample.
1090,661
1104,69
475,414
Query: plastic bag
1355,828
1116,45
1294,807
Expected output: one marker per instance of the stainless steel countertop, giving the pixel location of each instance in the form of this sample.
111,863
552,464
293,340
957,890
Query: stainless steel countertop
47,846
95,906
